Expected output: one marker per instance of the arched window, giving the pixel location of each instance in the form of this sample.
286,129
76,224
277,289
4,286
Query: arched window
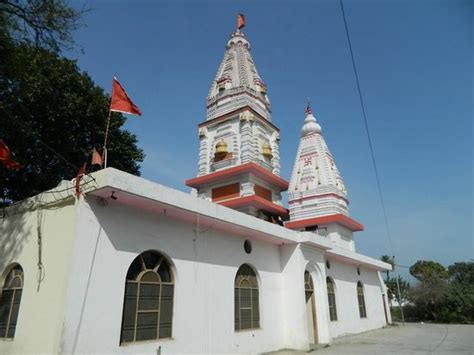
148,304
308,283
246,306
10,302
331,299
361,299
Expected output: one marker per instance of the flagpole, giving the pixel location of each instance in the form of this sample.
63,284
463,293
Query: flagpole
105,139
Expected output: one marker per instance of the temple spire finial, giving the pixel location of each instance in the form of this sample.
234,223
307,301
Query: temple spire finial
308,111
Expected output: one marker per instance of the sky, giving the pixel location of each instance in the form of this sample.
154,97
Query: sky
414,60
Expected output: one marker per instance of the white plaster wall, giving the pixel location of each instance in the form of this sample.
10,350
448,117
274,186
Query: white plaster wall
204,291
296,259
348,320
40,318
340,236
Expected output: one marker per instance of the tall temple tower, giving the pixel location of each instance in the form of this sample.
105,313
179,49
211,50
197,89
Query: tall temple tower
317,196
239,161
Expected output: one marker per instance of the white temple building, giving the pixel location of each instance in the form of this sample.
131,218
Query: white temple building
131,266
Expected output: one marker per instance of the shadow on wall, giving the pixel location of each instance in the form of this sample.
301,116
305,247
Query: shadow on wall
14,233
133,230
22,224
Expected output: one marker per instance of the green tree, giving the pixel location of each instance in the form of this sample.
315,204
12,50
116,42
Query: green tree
389,260
43,23
393,290
458,303
424,270
46,98
429,293
462,272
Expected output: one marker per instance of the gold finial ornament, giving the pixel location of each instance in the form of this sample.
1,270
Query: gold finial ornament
221,149
202,133
246,116
267,150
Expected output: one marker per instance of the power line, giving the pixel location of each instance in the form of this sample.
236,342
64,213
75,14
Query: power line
372,154
366,125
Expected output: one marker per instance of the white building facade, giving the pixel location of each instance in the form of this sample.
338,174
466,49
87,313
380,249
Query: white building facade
131,266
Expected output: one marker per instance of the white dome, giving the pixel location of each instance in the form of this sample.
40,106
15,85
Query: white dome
236,38
310,126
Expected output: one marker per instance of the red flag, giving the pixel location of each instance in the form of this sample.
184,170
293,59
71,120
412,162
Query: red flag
5,157
121,102
96,158
240,21
80,173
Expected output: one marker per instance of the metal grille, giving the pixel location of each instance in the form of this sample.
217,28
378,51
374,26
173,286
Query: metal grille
148,303
361,299
308,285
246,299
331,299
10,302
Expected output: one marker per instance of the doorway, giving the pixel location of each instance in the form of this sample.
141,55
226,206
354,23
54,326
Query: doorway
310,308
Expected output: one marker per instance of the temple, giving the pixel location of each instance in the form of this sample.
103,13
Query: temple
131,266
239,159
317,196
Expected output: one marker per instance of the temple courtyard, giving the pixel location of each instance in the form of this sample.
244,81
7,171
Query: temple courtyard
412,338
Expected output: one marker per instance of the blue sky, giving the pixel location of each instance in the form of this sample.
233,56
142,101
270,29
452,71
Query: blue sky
415,66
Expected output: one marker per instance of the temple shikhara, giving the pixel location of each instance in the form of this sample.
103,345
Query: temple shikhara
130,265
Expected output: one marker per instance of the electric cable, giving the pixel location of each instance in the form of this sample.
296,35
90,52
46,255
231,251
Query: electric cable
372,154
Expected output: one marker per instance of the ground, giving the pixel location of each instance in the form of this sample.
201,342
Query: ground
412,338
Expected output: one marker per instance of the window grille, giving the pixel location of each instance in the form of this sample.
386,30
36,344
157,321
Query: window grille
361,299
148,303
246,310
308,285
10,302
331,299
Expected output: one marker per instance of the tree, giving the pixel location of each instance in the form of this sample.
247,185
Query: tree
46,99
424,270
428,294
393,290
462,272
43,23
389,260
458,303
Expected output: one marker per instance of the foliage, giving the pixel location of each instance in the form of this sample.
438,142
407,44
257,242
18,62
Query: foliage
428,295
43,23
462,272
45,98
441,295
458,303
393,290
424,270
389,260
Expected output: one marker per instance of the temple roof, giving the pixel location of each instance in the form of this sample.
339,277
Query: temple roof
316,186
237,82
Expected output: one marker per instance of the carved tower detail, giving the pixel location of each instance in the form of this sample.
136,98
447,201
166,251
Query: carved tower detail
239,160
317,196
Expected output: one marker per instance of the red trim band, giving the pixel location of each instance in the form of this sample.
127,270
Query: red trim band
251,167
257,202
335,218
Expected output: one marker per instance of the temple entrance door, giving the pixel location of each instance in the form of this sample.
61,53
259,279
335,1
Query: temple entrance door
310,308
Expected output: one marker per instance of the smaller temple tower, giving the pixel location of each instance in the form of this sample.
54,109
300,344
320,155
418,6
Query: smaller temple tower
317,196
239,160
